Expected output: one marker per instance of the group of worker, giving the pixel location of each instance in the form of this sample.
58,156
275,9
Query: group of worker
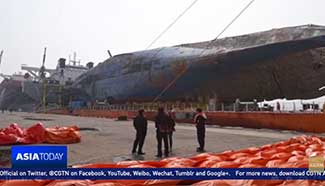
165,127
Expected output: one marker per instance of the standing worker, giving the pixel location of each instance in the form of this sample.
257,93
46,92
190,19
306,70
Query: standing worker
172,129
140,124
163,127
278,106
200,120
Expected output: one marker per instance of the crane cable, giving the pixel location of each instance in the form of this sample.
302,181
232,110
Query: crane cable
162,33
172,24
186,68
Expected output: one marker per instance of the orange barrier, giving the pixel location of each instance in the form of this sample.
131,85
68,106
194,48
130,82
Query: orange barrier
62,135
306,122
14,134
111,114
58,111
292,153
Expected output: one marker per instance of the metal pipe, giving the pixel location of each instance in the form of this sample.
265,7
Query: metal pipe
109,53
1,54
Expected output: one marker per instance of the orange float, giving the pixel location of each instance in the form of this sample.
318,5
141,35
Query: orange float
292,153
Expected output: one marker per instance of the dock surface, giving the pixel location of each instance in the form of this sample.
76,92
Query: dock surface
107,140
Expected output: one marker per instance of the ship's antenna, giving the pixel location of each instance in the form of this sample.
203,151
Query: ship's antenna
185,69
74,58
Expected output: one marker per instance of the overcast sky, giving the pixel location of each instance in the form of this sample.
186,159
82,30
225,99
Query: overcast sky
90,27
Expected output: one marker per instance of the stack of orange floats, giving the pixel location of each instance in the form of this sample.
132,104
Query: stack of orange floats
14,134
293,153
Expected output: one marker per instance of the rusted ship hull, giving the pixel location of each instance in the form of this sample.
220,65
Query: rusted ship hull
12,97
285,62
25,95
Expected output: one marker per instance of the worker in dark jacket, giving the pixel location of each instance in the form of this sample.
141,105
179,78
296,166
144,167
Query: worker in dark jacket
200,120
170,134
140,124
163,127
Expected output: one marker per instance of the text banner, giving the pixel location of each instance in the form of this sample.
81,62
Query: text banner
161,173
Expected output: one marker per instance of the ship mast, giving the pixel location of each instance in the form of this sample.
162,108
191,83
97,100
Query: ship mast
2,75
74,61
1,54
43,79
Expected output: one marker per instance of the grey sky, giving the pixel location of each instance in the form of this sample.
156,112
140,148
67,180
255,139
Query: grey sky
90,27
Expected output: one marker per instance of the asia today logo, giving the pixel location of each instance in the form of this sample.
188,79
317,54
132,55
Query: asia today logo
316,164
39,156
